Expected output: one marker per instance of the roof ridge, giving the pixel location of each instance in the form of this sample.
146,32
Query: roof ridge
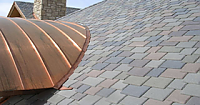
82,9
24,2
73,7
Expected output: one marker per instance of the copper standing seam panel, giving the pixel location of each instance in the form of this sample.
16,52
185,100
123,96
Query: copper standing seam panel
72,34
75,26
35,49
37,55
83,35
27,61
54,43
67,36
66,46
87,41
9,76
56,63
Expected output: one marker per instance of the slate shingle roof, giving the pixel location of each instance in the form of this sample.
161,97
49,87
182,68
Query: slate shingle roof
27,9
142,52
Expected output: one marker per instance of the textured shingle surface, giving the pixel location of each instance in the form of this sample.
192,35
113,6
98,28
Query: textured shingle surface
158,36
27,9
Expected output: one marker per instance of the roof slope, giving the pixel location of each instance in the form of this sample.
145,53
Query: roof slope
27,9
141,52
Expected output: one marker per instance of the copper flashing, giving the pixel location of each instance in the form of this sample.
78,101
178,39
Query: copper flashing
38,54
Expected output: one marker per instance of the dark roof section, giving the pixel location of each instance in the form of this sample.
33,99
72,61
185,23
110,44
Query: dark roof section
71,9
27,9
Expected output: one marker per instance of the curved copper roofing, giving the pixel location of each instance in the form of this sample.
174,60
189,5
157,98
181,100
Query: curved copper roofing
38,54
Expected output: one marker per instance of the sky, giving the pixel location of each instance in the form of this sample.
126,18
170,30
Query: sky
5,5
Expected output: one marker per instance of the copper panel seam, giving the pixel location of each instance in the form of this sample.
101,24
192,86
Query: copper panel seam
79,40
35,49
55,44
70,36
72,41
52,58
26,45
81,30
57,40
69,27
21,50
11,55
65,78
74,24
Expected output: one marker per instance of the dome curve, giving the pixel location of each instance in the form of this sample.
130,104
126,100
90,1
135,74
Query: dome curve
38,54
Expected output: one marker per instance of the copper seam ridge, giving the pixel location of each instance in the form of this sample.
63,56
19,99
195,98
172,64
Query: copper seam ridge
54,43
8,48
75,65
74,43
74,24
69,27
35,49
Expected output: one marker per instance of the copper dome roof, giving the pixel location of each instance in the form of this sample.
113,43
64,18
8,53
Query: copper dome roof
37,54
